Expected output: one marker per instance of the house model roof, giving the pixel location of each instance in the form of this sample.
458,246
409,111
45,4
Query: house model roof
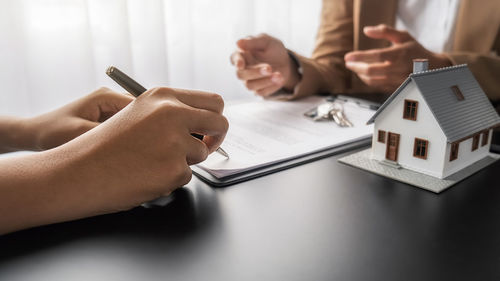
458,119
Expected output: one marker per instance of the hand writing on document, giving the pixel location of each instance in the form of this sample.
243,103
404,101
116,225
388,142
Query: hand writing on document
139,153
386,68
263,64
149,144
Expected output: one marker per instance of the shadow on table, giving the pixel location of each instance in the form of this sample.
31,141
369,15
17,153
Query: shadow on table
185,214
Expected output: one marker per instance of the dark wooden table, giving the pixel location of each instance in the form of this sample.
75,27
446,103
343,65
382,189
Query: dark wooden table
319,221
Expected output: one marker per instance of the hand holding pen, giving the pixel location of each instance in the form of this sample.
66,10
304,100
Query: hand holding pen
106,152
137,89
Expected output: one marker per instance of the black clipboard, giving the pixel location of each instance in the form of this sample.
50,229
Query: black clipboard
276,167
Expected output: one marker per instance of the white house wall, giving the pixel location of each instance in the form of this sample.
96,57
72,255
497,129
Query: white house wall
465,155
425,127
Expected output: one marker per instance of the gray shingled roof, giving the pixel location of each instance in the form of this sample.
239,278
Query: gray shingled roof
457,119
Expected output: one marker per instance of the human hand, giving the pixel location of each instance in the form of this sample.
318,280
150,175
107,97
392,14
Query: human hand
263,64
138,154
64,124
145,150
386,68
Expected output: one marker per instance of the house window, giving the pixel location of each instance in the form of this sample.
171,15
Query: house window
475,141
381,136
457,92
486,135
410,110
420,148
454,151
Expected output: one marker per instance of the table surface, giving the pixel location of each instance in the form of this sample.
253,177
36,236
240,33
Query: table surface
320,221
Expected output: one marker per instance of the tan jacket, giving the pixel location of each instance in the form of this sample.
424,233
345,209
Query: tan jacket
476,42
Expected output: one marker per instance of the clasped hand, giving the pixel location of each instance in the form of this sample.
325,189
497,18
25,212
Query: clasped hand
264,65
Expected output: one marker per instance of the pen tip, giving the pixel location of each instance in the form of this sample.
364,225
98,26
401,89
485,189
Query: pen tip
222,152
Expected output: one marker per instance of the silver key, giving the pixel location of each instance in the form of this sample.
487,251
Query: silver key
342,119
329,111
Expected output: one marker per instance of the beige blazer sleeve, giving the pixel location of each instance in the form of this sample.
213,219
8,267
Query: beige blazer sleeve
477,43
486,69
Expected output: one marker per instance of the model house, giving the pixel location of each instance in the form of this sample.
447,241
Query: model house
437,122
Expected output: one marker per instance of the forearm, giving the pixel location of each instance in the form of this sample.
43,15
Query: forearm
14,134
30,193
58,185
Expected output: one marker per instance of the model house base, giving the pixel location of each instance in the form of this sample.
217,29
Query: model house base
363,160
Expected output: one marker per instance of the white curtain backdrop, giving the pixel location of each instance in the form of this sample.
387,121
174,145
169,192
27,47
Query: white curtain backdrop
54,51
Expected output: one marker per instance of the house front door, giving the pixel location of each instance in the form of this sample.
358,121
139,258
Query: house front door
391,152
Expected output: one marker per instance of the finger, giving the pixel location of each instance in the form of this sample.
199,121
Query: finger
196,150
257,84
374,81
254,43
254,72
370,69
238,60
100,105
266,92
212,125
107,103
373,55
213,142
277,83
114,102
197,99
383,31
249,58
181,174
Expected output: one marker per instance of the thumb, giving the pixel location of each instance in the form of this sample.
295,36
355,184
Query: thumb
257,43
113,103
119,101
104,103
383,31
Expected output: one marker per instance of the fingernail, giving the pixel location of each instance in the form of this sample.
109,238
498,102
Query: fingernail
265,71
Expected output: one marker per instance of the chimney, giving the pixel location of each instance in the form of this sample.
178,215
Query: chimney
420,65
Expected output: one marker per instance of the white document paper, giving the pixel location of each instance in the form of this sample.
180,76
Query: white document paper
264,132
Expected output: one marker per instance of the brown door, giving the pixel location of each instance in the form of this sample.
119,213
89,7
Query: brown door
391,152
